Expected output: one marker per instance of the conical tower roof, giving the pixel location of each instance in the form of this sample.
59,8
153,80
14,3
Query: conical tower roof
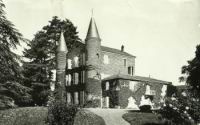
61,44
92,30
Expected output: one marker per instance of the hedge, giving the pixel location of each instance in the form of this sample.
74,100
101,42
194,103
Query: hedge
24,116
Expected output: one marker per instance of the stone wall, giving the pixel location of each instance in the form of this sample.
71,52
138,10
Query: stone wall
116,64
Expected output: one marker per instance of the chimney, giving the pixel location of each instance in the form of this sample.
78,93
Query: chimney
122,48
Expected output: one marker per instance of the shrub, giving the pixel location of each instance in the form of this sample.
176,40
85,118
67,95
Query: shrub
94,103
60,113
139,118
85,117
145,108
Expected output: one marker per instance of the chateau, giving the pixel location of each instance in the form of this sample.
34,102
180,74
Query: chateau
106,76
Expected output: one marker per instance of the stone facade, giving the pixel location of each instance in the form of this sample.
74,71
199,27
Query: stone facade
91,65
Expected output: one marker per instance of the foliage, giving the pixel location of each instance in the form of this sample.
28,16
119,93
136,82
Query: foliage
184,107
114,99
24,116
138,118
60,113
85,117
177,110
93,103
11,89
192,71
41,55
145,108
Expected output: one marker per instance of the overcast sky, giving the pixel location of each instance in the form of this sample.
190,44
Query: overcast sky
162,34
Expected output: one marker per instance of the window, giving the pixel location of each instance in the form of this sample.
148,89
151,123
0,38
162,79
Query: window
153,92
68,80
132,71
82,97
105,59
69,98
52,86
129,70
76,100
124,62
76,61
69,64
82,76
107,85
98,55
83,59
148,90
53,75
75,78
133,86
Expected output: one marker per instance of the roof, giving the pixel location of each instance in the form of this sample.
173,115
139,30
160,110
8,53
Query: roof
61,44
112,50
92,30
108,49
136,78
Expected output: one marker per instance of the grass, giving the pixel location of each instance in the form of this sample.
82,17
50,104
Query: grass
24,116
140,118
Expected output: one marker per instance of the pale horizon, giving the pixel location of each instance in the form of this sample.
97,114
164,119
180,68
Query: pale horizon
162,34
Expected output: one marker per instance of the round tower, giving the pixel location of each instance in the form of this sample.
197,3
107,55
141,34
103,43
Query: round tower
93,62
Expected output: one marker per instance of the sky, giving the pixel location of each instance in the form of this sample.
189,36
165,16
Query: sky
162,34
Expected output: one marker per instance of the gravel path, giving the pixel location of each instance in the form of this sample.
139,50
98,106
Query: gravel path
111,116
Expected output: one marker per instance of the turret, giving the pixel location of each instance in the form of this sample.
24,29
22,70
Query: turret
60,68
93,61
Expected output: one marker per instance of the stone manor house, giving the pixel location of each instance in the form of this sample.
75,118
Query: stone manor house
106,76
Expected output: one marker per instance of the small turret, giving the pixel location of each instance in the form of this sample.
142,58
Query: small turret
62,45
61,53
60,68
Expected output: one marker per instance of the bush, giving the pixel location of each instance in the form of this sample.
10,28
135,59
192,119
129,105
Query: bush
24,116
85,117
145,108
94,103
139,118
60,113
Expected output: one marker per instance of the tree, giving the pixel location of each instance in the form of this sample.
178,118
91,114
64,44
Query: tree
41,55
10,76
185,106
192,72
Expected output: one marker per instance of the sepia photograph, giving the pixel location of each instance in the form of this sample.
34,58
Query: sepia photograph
99,62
